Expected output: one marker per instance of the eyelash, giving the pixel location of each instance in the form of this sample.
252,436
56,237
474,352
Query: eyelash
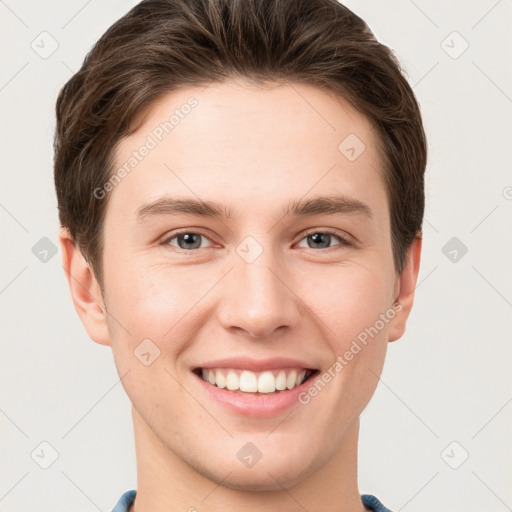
344,241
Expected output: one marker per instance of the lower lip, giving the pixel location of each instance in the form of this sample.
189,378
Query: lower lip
262,405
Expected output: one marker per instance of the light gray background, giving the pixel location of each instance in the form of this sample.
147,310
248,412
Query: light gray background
447,380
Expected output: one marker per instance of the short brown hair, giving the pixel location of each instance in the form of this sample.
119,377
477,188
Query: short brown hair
162,45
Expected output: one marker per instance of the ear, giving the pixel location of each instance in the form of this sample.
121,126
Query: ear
85,290
405,288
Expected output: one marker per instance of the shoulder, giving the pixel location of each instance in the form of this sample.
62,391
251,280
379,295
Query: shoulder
125,501
373,503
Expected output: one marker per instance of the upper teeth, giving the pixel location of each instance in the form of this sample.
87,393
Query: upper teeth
252,382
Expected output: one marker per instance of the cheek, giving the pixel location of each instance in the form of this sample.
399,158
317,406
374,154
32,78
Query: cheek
156,302
144,294
356,309
148,303
153,301
350,307
350,300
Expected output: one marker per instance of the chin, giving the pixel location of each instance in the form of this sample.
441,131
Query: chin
264,476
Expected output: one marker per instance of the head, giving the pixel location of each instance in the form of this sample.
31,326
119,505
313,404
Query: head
242,178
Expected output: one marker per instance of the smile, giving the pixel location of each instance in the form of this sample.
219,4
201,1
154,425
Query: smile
258,388
246,381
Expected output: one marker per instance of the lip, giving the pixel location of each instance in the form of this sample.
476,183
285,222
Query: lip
254,405
256,365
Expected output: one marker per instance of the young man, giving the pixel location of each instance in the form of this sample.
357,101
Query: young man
240,188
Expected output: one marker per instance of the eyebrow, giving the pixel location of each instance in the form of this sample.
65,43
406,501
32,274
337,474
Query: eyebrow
323,205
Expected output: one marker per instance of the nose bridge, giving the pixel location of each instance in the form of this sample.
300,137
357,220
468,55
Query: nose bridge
258,301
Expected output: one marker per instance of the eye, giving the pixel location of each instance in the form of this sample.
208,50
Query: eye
190,240
322,239
186,240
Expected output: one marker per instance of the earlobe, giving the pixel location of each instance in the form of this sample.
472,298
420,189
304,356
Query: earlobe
85,290
406,284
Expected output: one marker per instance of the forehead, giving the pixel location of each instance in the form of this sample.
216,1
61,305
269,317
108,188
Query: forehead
243,141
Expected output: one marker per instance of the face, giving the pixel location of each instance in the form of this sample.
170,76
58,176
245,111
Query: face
221,255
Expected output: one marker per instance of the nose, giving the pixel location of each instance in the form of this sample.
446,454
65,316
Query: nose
258,298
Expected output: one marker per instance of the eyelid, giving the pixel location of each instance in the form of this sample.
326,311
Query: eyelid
345,238
173,234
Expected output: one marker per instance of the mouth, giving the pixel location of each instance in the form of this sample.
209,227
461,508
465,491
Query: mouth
246,382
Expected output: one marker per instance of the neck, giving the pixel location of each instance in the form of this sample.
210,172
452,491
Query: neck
166,483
